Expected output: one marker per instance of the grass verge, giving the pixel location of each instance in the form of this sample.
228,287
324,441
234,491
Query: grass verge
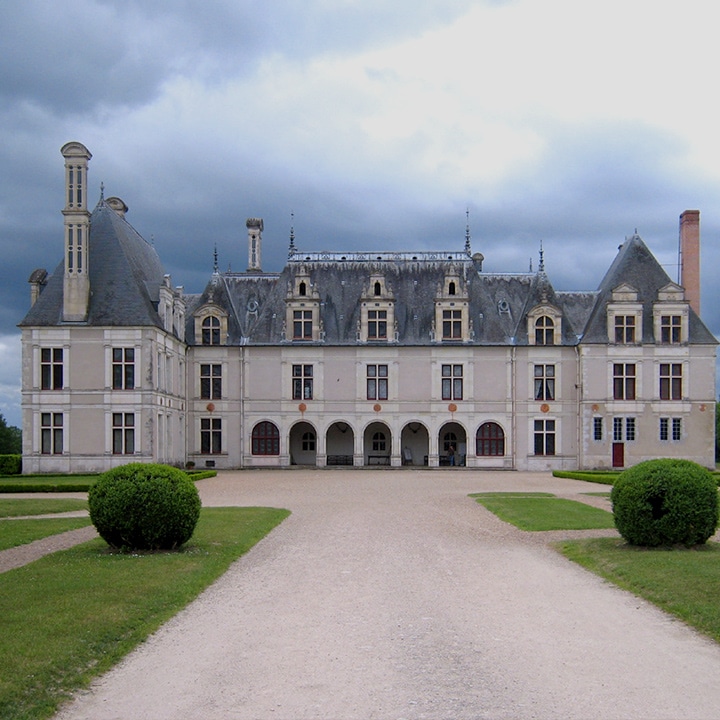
683,582
70,616
16,507
539,512
20,532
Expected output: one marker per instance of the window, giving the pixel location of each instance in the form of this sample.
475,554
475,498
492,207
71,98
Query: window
379,442
210,436
123,433
597,429
625,329
665,425
544,331
123,368
51,433
308,441
302,382
377,382
671,381
210,382
74,245
452,324
544,382
676,428
670,327
265,439
629,424
377,324
449,440
544,437
624,381
490,440
377,289
211,330
452,382
302,324
51,368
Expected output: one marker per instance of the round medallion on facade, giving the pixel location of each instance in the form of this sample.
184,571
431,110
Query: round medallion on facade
545,408
452,407
210,407
377,407
302,407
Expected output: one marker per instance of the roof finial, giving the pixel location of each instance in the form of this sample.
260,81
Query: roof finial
215,260
541,266
530,270
291,249
102,191
467,231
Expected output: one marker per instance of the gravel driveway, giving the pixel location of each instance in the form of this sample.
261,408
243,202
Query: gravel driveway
391,594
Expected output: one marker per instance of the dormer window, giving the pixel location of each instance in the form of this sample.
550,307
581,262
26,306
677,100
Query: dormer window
451,288
452,322
377,312
378,289
544,331
302,289
302,318
211,331
670,329
624,316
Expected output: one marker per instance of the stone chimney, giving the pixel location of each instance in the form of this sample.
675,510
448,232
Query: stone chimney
690,257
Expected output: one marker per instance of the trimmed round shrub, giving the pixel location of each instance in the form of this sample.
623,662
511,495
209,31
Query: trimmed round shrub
144,507
665,502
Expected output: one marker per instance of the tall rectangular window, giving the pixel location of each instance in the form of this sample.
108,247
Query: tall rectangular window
210,382
302,382
544,432
377,324
630,429
617,429
123,368
51,368
671,381
597,429
676,428
123,433
670,329
544,382
624,381
302,325
452,324
625,329
210,436
452,382
51,433
377,382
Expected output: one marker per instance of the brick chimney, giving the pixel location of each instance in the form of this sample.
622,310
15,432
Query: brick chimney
690,257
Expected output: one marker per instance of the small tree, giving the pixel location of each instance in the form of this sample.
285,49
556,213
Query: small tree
10,438
665,502
144,507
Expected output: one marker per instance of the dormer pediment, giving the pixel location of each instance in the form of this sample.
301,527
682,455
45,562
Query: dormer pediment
672,292
624,293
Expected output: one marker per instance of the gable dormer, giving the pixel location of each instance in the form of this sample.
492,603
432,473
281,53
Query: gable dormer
544,325
302,309
377,312
452,317
624,316
211,325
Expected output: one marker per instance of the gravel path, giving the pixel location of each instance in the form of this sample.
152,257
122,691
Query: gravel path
391,594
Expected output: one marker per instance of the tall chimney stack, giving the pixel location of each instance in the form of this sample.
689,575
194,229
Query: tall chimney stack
690,257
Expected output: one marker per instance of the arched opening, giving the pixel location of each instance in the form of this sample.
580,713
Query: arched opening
339,444
490,440
544,331
378,288
303,444
377,444
211,330
302,289
452,444
451,288
265,439
415,442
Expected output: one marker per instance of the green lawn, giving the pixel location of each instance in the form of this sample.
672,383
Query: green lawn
538,511
70,616
683,582
46,483
15,507
21,532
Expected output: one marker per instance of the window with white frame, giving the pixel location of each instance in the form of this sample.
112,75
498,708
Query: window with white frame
544,330
597,429
210,381
452,324
377,382
626,424
671,329
302,325
452,382
211,330
625,329
544,437
302,382
544,382
211,436
670,429
671,381
123,433
51,433
123,368
51,368
624,378
377,325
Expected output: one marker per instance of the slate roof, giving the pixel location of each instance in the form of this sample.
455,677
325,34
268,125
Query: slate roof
126,274
125,278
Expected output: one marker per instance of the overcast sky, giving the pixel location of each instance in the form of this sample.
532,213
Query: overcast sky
378,124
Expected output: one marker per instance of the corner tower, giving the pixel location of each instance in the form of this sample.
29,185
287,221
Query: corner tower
76,280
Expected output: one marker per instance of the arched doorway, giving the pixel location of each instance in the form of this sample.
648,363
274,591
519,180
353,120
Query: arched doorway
303,444
377,444
490,440
339,444
415,443
452,444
